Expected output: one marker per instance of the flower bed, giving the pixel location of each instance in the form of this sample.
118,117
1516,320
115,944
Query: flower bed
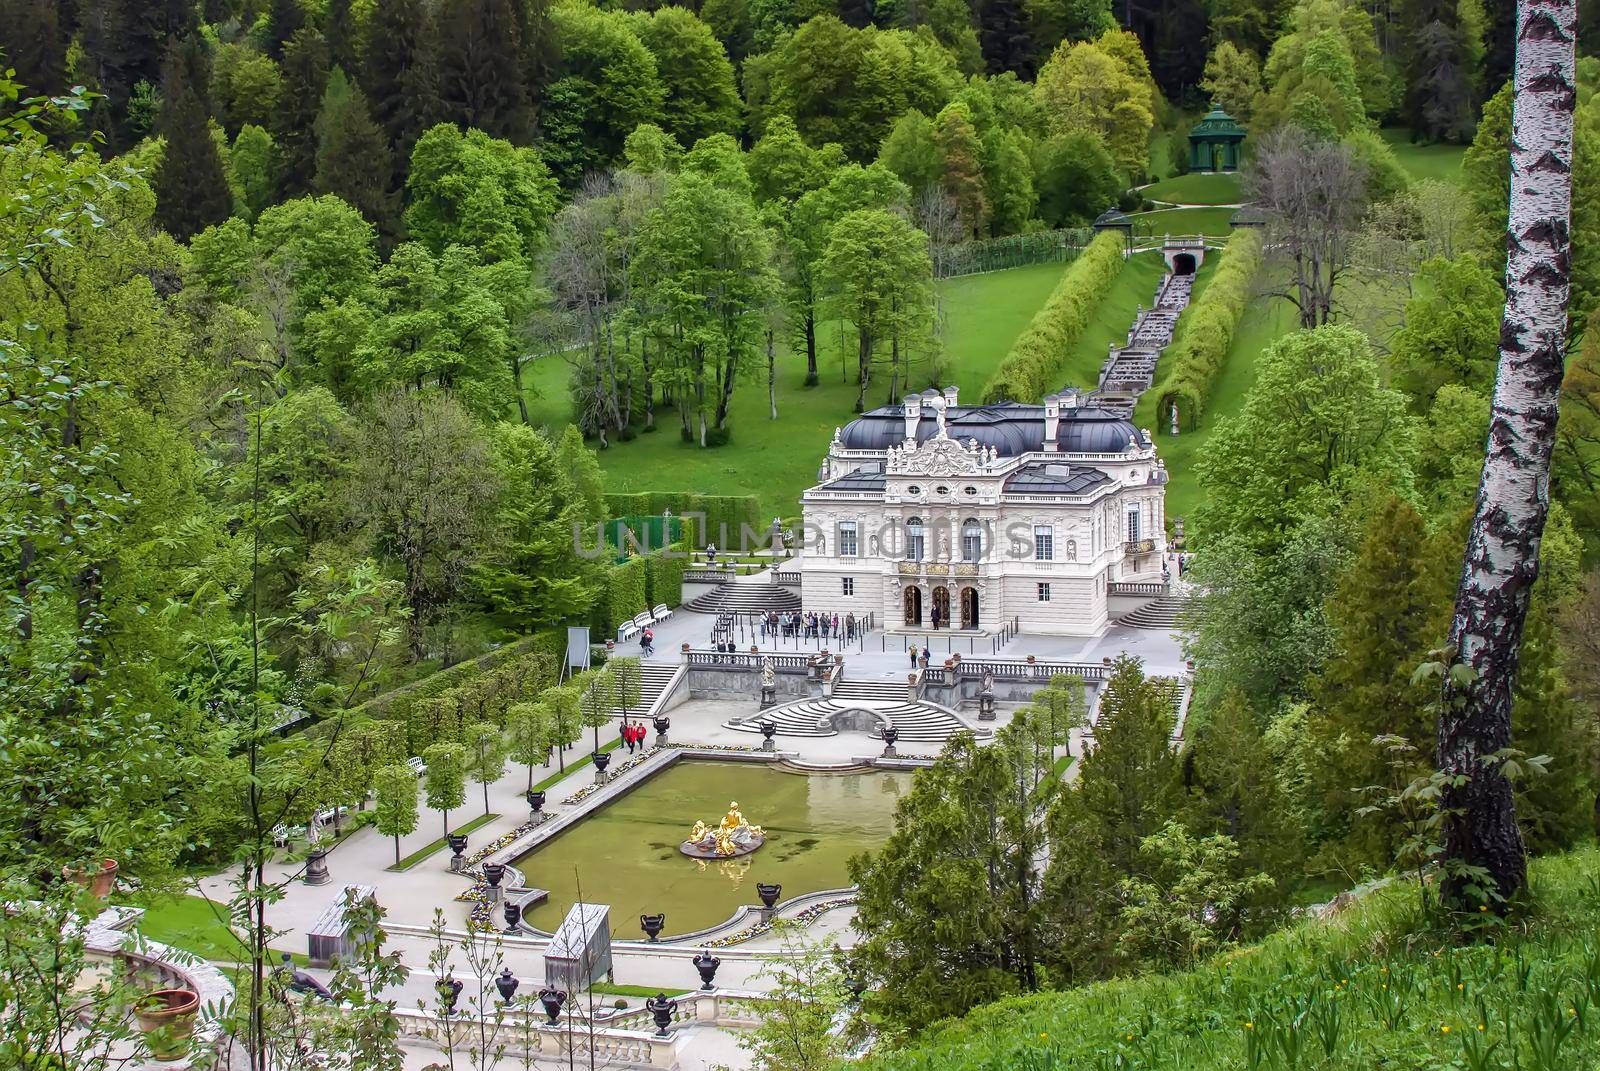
804,918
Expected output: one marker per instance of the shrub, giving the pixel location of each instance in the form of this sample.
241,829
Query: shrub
724,514
664,576
624,596
1031,369
1190,365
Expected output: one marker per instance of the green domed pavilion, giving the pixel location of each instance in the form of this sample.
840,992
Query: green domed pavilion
1214,142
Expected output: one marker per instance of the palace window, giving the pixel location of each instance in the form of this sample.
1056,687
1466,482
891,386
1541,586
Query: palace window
1133,524
1044,542
914,540
971,541
849,585
847,539
1044,592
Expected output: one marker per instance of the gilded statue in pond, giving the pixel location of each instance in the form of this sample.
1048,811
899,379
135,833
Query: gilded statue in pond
733,836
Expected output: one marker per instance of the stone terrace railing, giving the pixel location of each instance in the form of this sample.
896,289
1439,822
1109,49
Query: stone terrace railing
781,663
1141,587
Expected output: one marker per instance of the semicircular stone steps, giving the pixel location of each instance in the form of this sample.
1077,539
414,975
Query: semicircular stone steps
916,721
745,599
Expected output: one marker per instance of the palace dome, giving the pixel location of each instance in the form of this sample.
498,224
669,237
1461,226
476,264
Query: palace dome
1011,428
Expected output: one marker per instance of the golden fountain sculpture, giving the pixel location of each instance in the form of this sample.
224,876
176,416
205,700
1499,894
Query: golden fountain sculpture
732,837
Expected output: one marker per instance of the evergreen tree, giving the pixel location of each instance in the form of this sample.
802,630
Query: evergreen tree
960,154
191,186
124,42
1008,179
483,82
31,41
400,76
339,29
1439,55
1390,609
1231,774
305,80
285,18
1003,34
353,154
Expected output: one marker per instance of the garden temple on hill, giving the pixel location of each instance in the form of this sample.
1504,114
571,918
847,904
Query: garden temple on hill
1214,142
936,515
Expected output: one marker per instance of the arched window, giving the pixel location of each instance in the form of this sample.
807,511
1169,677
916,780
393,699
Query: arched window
914,539
971,540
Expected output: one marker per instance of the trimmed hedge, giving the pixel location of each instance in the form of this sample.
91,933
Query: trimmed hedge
664,577
624,596
1033,367
1205,333
723,513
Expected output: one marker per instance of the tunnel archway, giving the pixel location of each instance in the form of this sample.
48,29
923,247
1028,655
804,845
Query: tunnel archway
1183,264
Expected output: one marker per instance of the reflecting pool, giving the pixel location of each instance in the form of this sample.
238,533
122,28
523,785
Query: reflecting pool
626,855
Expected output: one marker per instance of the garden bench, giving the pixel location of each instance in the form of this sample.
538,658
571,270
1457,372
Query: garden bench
661,612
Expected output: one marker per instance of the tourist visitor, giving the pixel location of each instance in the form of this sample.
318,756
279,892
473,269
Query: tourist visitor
647,642
627,735
913,657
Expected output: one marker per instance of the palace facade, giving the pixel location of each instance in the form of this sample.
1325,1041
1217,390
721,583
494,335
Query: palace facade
936,515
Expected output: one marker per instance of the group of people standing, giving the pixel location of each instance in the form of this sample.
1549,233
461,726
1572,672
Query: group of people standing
810,626
633,734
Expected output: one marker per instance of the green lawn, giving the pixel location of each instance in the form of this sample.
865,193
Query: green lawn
1213,222
422,853
1196,189
1265,319
1442,162
777,459
196,925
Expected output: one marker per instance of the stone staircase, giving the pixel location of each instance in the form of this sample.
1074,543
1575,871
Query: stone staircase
883,690
745,599
917,722
654,680
1130,369
1165,614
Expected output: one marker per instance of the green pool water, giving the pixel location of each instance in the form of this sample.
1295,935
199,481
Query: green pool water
626,855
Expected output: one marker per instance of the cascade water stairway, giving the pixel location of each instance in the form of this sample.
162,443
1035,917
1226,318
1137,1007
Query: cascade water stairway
1130,369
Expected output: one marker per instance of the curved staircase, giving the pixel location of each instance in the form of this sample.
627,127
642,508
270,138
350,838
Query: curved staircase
745,599
1166,614
918,722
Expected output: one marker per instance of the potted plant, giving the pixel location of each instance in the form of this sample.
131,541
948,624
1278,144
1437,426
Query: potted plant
99,883
686,648
956,657
1031,660
611,645
755,648
167,1018
949,663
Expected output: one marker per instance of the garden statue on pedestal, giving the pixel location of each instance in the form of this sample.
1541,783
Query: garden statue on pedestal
732,837
769,684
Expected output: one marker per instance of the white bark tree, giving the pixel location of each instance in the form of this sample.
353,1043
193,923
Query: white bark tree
1502,555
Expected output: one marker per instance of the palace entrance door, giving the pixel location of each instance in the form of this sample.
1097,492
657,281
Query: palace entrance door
969,607
941,607
913,605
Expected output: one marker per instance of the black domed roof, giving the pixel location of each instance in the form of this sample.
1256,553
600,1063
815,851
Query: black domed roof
1010,427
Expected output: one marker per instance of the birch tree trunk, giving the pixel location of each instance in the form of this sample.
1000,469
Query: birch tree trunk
1502,555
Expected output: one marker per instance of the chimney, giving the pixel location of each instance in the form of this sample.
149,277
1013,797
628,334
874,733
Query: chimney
913,407
1052,422
1069,399
950,396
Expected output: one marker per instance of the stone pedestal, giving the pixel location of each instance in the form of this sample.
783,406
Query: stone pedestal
986,707
769,696
317,869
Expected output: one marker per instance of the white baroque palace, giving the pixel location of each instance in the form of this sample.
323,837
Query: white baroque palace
936,515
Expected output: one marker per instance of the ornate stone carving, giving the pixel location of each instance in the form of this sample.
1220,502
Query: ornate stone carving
936,457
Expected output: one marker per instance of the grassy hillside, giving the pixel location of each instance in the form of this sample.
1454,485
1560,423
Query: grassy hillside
1442,162
1196,188
1365,990
1265,320
777,459
1213,222
1141,274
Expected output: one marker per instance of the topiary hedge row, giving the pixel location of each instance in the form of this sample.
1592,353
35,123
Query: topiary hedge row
664,576
1033,367
724,514
626,588
1191,364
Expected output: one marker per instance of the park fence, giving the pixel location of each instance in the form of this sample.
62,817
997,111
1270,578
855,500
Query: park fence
1011,251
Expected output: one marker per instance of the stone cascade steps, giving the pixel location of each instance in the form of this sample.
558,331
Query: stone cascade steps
1164,614
744,599
883,691
1129,370
917,722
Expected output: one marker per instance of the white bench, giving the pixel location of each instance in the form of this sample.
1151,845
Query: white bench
418,767
661,612
628,630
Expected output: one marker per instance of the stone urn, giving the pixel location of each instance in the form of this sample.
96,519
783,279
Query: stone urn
535,798
707,965
602,759
458,844
755,648
552,999
652,925
662,724
769,894
661,1009
685,648
1031,660
513,912
99,882
167,1018
890,735
769,729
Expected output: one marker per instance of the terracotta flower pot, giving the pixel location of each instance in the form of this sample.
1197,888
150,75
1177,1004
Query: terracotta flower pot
167,1018
1031,660
755,649
98,883
686,648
